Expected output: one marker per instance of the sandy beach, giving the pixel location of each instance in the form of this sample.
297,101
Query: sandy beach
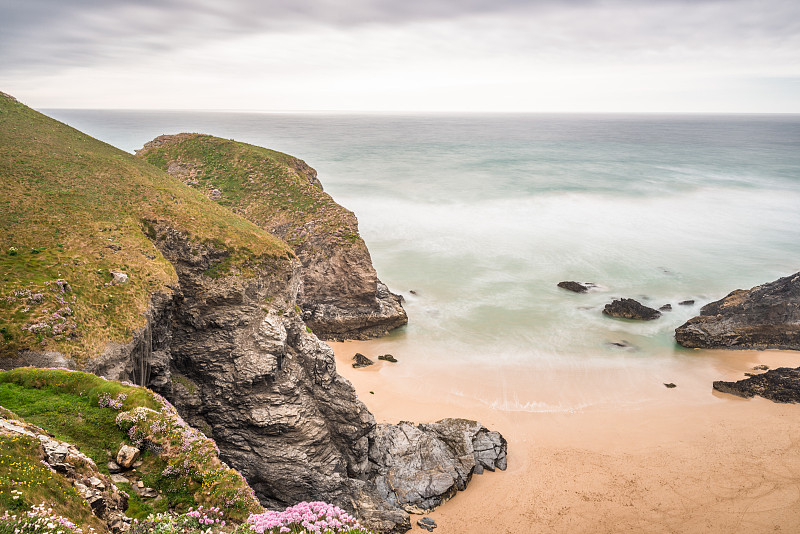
683,460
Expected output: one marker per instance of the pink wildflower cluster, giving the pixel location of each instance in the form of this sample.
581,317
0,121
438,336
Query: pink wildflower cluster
39,520
105,401
205,517
311,517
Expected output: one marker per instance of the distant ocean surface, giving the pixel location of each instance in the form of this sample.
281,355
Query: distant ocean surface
482,215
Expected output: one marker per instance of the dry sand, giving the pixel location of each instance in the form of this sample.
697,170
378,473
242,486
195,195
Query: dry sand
685,460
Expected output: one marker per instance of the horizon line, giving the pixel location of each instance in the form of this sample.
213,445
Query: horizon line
413,112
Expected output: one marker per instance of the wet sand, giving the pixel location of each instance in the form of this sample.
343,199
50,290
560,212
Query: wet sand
646,459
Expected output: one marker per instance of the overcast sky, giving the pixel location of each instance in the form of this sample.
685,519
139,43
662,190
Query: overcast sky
404,55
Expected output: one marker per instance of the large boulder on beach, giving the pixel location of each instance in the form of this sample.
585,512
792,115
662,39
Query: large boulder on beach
417,468
764,317
630,309
777,385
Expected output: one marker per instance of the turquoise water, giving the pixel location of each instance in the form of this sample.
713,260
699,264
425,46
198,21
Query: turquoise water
482,216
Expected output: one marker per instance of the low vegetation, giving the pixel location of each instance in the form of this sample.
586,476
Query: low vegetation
98,416
74,211
274,190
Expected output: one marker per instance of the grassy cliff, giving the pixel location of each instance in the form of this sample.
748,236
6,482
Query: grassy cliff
98,416
73,211
274,190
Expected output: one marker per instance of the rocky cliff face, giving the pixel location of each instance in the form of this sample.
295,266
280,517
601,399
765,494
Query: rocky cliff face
170,287
764,317
340,293
238,363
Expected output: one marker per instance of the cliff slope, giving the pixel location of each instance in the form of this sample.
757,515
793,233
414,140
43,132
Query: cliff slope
110,265
340,293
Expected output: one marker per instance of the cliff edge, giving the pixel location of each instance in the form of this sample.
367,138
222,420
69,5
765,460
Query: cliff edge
340,294
110,265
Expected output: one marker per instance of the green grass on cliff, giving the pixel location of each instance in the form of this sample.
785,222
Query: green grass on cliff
25,481
73,209
272,189
180,462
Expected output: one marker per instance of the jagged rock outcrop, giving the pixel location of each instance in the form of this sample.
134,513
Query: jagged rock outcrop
269,393
630,309
777,385
764,317
417,468
106,501
340,293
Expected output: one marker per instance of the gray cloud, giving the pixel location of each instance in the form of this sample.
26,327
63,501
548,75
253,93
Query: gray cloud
37,34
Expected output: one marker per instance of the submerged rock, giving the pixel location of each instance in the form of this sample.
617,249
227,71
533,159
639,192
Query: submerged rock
387,358
577,287
764,317
666,307
689,302
777,385
630,309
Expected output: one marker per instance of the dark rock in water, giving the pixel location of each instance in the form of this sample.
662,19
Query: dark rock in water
689,302
761,368
427,523
387,358
417,468
577,287
764,317
630,309
670,385
666,307
777,385
412,291
361,361
622,344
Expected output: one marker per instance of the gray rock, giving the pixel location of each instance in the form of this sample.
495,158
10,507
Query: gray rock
417,468
148,493
113,467
359,360
119,479
119,278
427,523
666,307
764,317
127,455
689,302
630,309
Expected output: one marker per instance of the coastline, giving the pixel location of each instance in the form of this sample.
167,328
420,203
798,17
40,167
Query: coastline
685,460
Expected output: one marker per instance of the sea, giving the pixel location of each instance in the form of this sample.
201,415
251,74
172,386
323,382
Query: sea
475,218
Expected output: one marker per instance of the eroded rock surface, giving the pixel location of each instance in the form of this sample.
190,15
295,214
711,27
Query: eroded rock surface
764,317
418,467
630,309
269,394
777,385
